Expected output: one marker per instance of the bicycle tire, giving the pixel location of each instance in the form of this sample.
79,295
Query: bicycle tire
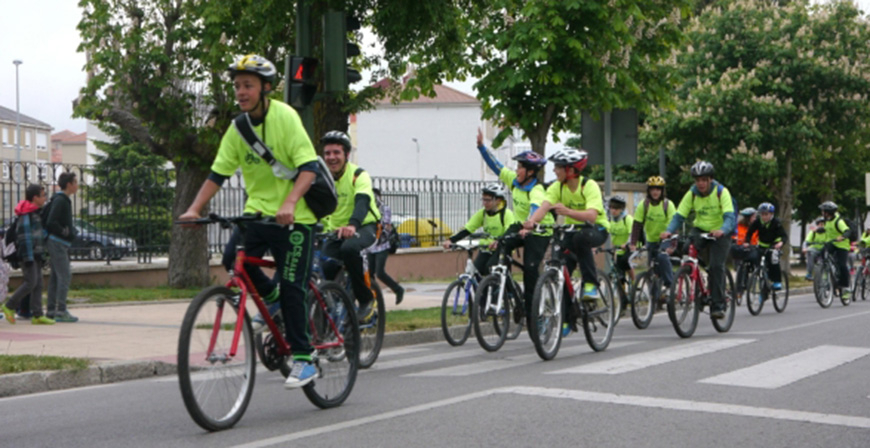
599,317
545,322
516,325
755,292
723,325
371,333
216,388
780,298
865,286
643,299
337,364
490,330
823,286
683,309
742,278
456,312
621,297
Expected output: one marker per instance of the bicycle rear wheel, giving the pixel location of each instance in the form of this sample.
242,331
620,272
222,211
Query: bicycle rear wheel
823,286
216,386
371,333
756,291
780,298
683,307
620,289
334,334
724,324
490,326
864,285
742,279
456,312
599,316
643,299
545,323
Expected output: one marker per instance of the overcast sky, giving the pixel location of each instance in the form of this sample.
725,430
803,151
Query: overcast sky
42,34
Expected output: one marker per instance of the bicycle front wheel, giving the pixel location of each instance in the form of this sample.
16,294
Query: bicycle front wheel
334,333
490,324
599,315
780,298
643,295
823,286
683,307
545,322
724,324
456,312
371,333
864,286
756,292
517,314
216,384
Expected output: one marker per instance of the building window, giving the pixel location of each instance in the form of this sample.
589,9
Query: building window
27,140
5,136
42,141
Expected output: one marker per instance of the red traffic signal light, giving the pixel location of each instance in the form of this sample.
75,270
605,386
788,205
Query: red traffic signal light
302,69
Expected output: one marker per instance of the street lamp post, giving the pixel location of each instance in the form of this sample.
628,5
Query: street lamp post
17,62
414,139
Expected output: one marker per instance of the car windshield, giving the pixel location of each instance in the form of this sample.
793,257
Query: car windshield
86,226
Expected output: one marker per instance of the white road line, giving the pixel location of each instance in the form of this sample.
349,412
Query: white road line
399,363
585,396
799,326
788,369
643,360
509,362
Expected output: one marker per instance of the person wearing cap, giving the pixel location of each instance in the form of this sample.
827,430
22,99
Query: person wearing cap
770,233
494,218
355,220
621,223
280,128
714,215
527,194
813,245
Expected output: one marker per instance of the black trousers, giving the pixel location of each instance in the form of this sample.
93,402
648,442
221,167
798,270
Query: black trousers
378,263
349,251
292,250
717,251
534,248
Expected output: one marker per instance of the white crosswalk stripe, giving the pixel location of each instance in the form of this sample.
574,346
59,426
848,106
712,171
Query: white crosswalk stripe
651,358
789,369
509,362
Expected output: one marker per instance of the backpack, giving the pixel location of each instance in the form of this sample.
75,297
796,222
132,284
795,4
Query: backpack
10,245
853,232
719,189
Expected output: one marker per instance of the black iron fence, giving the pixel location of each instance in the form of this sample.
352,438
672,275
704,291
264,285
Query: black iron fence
126,212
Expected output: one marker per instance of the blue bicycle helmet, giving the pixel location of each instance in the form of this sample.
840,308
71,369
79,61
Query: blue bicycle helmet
766,207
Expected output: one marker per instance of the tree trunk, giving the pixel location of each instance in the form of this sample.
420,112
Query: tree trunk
328,116
188,248
786,202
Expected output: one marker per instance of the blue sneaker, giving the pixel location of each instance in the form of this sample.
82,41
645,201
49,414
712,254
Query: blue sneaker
590,292
259,324
302,373
777,286
566,330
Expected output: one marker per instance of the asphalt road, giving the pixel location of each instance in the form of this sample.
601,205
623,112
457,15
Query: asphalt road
797,379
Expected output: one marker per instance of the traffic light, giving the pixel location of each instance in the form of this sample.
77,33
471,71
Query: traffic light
337,49
301,82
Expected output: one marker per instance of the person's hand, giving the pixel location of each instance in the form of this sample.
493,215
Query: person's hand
717,233
493,245
446,245
529,225
479,137
839,238
286,214
524,232
560,209
778,245
346,232
632,247
665,235
746,245
189,215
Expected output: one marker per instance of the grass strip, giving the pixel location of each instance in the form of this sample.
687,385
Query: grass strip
27,363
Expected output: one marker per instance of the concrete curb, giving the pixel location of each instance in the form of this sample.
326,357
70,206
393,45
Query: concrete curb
103,373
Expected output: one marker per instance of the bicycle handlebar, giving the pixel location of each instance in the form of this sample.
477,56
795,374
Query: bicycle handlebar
228,221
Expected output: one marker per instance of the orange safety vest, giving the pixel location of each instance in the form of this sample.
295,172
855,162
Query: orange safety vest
741,235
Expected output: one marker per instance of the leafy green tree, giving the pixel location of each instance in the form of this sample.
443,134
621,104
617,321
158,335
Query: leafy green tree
772,95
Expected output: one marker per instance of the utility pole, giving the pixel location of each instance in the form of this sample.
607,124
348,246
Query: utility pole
17,62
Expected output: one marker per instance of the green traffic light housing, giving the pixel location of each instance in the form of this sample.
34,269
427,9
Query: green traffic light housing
337,49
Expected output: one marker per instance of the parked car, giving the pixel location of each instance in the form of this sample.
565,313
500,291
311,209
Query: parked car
94,244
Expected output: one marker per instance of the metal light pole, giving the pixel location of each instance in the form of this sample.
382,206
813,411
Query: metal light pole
17,62
414,139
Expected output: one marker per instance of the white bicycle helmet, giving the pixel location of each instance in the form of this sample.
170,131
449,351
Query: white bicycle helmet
570,157
702,168
495,189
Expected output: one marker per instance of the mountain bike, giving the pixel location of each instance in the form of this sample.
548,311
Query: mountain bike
555,287
372,331
759,287
216,354
861,283
690,293
825,279
458,299
499,311
647,290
